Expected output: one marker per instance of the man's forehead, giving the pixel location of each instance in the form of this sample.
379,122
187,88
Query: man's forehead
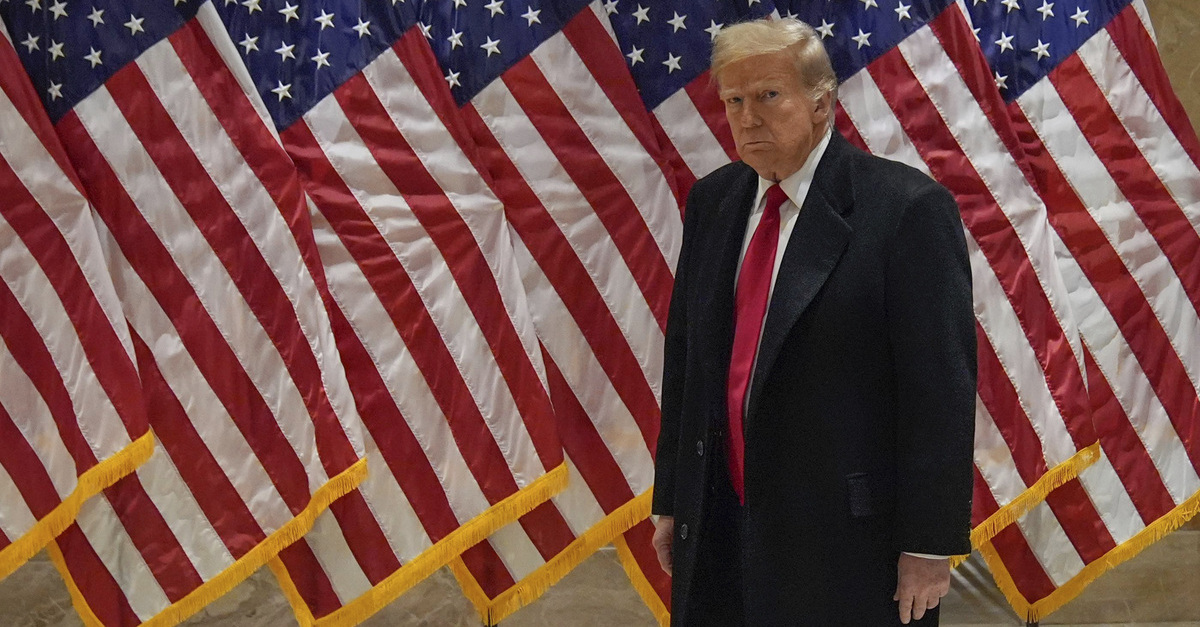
756,78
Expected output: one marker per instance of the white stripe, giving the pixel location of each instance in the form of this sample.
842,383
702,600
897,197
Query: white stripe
104,432
1144,15
1050,544
994,459
613,140
404,380
210,280
112,544
1116,218
213,424
337,561
566,345
517,552
587,236
15,517
1112,502
689,132
1144,122
215,29
430,275
869,112
391,508
256,210
65,206
182,514
577,504
465,187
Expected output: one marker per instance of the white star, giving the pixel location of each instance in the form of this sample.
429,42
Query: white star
492,47
30,43
285,52
249,43
55,91
635,56
94,57
495,6
59,9
862,39
1047,10
455,39
1005,42
975,31
178,2
1042,50
460,3
229,2
979,1
610,7
752,3
826,29
672,62
1001,81
452,79
289,12
677,22
791,15
642,14
322,58
325,19
34,5
868,4
362,28
283,91
1012,5
902,11
252,5
531,16
1080,17
425,29
713,29
395,1
56,50
135,24
96,16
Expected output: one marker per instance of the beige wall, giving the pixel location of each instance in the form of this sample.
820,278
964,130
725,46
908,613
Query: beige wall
1177,24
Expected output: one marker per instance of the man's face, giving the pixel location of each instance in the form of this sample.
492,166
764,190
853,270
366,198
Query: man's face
775,124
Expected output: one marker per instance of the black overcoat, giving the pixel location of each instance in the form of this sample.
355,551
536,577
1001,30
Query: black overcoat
860,421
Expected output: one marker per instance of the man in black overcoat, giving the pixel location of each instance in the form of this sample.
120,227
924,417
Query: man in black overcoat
850,485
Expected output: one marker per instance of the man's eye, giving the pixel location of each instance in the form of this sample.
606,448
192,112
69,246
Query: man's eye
767,95
733,100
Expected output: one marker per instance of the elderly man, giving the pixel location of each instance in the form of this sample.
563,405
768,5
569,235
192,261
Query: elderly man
814,463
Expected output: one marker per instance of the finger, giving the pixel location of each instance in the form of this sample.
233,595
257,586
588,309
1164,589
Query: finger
918,610
905,609
933,602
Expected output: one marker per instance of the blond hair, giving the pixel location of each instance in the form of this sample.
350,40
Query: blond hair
767,36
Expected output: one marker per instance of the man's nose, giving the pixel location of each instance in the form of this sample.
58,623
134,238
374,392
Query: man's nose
749,117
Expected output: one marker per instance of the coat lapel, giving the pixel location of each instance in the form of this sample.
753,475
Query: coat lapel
817,242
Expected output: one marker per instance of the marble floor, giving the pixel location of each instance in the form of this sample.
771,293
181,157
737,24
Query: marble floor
1160,587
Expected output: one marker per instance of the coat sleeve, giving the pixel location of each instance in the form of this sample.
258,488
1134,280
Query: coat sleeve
931,327
674,368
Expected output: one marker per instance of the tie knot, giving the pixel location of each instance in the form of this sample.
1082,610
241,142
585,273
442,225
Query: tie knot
775,197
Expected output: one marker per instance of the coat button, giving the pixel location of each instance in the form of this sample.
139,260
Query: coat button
700,448
683,531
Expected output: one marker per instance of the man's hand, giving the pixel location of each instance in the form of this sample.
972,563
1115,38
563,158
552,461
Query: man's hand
664,534
922,584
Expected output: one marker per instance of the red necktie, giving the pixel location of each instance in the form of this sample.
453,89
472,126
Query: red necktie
750,307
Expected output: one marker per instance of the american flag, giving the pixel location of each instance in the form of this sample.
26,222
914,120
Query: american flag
480,201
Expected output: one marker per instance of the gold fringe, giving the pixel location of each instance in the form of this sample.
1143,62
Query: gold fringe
237,572
1065,593
641,584
1033,495
90,483
430,560
533,585
86,615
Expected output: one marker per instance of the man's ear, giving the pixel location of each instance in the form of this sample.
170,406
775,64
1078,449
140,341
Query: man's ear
823,107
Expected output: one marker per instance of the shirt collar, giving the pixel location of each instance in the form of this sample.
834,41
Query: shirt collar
796,185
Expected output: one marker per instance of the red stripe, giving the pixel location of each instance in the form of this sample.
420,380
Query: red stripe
1125,449
197,466
846,127
638,540
1077,516
1141,54
102,348
200,336
21,463
1131,171
100,589
30,352
1023,566
703,92
995,235
605,62
488,569
983,504
154,540
4,541
365,537
604,193
1003,403
400,299
310,579
199,195
15,84
563,268
460,250
682,178
584,445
